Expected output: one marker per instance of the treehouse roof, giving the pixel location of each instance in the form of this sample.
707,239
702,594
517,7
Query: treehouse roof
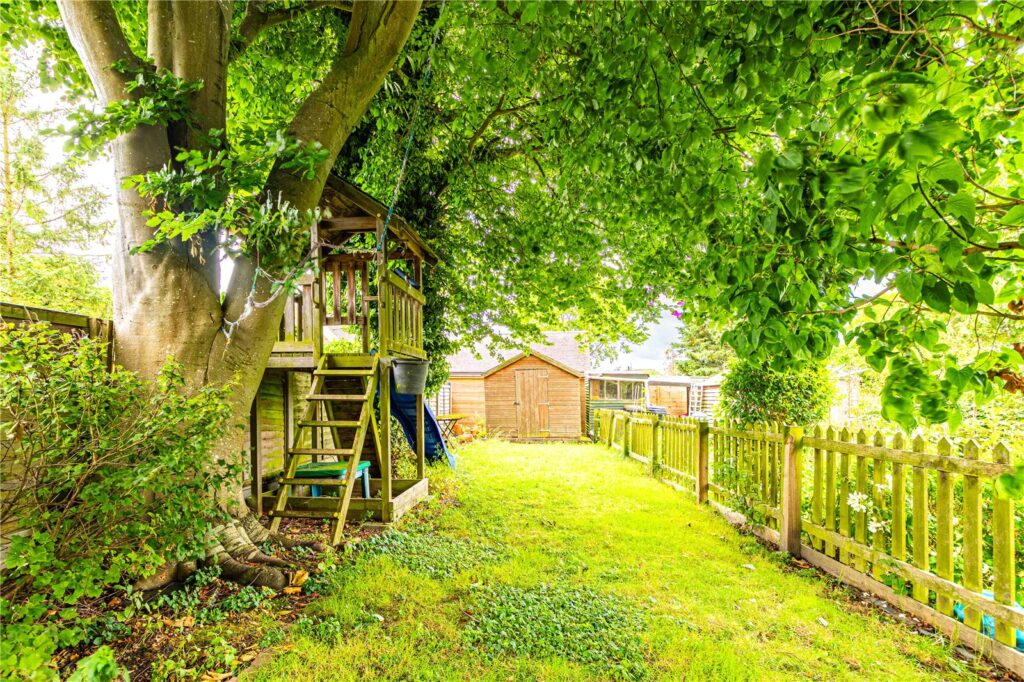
352,211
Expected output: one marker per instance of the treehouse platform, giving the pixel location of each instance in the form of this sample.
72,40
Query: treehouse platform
324,411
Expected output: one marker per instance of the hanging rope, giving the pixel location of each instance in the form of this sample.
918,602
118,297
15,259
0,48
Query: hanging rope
424,85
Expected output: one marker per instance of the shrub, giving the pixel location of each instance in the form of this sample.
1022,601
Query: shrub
758,393
108,478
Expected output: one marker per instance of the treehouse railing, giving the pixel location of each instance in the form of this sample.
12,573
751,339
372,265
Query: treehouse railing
921,524
299,336
401,320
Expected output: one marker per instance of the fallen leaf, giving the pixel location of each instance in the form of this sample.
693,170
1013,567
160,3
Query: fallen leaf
185,622
245,658
292,590
297,578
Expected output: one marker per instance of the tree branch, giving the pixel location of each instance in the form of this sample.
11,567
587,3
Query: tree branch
258,19
99,41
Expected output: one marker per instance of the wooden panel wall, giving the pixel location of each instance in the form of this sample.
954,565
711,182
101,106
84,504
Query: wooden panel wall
467,397
674,398
565,394
271,412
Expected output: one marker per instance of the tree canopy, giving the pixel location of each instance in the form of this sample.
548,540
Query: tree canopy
802,174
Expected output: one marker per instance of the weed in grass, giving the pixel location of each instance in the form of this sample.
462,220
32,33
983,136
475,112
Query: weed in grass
273,637
579,624
430,554
324,630
194,658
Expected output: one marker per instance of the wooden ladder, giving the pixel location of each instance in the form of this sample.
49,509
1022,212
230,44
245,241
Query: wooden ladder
322,393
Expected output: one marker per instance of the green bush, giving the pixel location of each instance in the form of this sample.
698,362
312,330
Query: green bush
108,478
758,393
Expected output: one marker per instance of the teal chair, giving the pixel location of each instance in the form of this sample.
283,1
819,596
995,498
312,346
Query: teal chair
333,470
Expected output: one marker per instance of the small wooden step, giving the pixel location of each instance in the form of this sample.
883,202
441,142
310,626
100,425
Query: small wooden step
302,514
336,482
320,451
349,372
338,398
348,361
334,424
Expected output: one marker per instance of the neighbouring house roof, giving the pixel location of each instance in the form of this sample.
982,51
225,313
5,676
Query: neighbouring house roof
620,376
561,349
682,379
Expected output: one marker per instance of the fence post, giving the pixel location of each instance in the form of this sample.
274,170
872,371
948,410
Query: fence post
625,435
702,462
655,445
789,529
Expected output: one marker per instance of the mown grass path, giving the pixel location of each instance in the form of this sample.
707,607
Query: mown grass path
564,562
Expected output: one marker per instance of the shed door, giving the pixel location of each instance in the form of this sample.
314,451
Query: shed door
532,403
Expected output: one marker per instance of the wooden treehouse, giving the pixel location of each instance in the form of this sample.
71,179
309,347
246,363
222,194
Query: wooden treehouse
321,436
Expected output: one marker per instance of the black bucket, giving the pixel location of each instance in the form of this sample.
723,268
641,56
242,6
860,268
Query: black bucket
411,376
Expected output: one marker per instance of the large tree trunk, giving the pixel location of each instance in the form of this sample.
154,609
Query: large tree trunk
167,302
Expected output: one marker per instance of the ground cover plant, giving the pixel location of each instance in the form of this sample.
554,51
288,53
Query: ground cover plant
669,590
435,555
577,624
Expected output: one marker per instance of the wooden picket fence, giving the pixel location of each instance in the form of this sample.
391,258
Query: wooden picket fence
916,523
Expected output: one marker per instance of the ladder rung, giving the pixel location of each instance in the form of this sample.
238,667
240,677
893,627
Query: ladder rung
361,398
320,451
347,372
335,424
336,482
302,514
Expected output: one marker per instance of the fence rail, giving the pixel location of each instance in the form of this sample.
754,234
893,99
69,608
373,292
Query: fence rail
918,523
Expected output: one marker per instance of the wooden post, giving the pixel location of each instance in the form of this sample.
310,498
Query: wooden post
1003,555
384,373
385,440
315,294
655,445
256,456
287,415
421,443
702,462
625,435
789,531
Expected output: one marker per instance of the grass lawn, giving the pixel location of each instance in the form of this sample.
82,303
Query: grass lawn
565,562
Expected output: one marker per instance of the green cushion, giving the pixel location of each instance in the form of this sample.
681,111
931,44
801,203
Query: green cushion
327,469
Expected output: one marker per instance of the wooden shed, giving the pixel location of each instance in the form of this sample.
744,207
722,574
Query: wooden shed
530,395
672,393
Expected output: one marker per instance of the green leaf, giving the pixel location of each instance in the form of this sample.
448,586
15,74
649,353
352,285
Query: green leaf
936,295
1011,485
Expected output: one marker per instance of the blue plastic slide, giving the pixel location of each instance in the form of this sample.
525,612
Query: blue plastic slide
403,407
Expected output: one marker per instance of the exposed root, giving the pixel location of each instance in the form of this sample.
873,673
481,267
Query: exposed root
237,571
258,533
236,541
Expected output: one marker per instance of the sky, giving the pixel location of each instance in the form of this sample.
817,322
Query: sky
651,353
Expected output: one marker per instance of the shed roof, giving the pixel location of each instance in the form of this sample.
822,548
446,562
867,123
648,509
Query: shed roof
560,348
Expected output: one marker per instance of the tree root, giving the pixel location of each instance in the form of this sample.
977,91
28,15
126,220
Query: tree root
240,545
233,547
258,533
234,570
